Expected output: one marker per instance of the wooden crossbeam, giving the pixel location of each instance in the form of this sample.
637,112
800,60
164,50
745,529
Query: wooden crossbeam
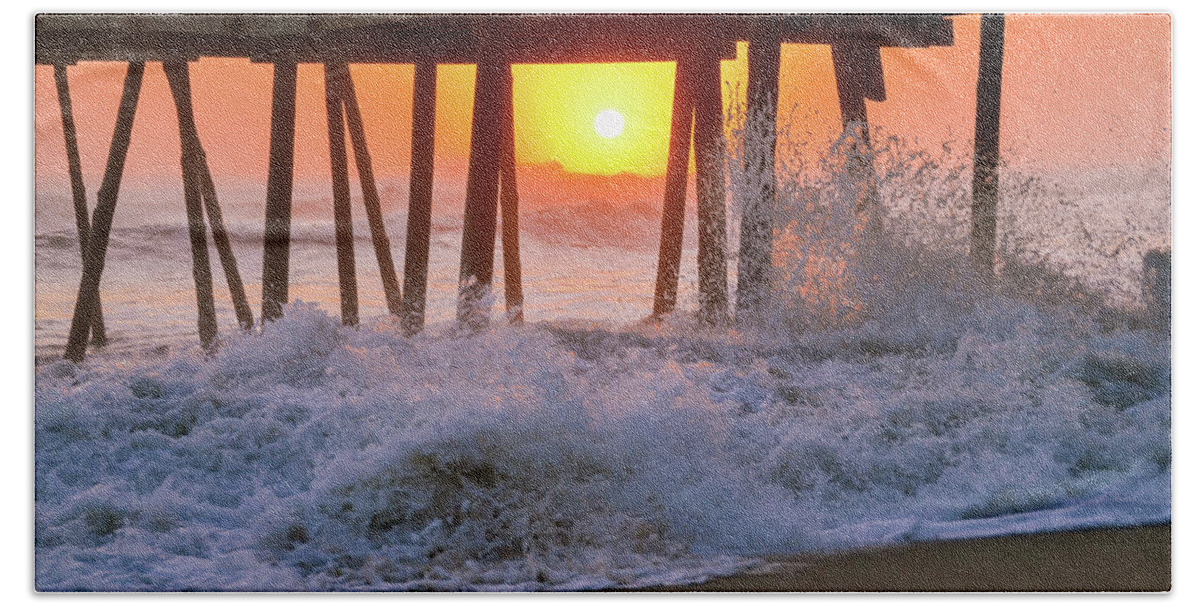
450,38
877,30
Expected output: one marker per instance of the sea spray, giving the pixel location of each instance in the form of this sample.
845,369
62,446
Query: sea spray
893,397
314,456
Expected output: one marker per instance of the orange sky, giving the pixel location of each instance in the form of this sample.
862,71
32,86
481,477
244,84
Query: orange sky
1078,90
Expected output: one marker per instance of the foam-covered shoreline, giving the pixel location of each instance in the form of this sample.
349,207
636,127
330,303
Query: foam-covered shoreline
316,457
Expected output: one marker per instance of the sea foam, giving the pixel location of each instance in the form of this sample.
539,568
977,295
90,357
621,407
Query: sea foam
311,456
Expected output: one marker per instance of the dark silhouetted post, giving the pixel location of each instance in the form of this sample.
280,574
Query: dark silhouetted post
479,218
420,196
758,204
277,233
709,142
985,187
366,179
514,294
850,72
859,73
670,246
78,191
212,208
106,206
206,321
343,224
181,89
1156,286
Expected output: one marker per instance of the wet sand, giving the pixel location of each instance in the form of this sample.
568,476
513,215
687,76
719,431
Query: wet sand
1120,559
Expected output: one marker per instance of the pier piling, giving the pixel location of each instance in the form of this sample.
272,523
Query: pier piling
216,223
514,294
78,190
277,232
420,197
189,139
670,249
709,144
206,321
192,197
479,217
758,204
985,185
106,205
342,221
858,69
370,193
1156,286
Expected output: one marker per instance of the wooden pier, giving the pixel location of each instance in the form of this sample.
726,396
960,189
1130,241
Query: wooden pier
696,43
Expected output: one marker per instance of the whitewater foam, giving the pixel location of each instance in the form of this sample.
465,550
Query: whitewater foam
892,397
312,456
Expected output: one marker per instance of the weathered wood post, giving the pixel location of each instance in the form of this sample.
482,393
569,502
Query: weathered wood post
1156,286
858,69
106,205
206,321
78,191
366,179
670,248
420,197
514,294
709,143
193,153
758,204
343,223
985,186
212,208
479,217
277,232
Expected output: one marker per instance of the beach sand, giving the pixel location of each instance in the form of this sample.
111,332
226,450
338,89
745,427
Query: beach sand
1120,559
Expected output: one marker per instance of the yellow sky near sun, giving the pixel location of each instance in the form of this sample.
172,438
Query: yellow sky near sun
558,108
555,108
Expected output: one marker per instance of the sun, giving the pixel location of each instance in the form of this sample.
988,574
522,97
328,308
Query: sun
609,124
596,118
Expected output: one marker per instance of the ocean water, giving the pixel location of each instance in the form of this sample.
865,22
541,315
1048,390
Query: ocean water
577,264
890,399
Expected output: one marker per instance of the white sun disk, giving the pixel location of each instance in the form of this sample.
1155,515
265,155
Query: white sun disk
609,124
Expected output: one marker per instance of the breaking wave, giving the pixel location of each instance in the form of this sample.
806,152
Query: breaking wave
313,456
893,397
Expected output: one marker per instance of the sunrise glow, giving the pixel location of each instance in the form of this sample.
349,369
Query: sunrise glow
353,303
609,124
559,110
